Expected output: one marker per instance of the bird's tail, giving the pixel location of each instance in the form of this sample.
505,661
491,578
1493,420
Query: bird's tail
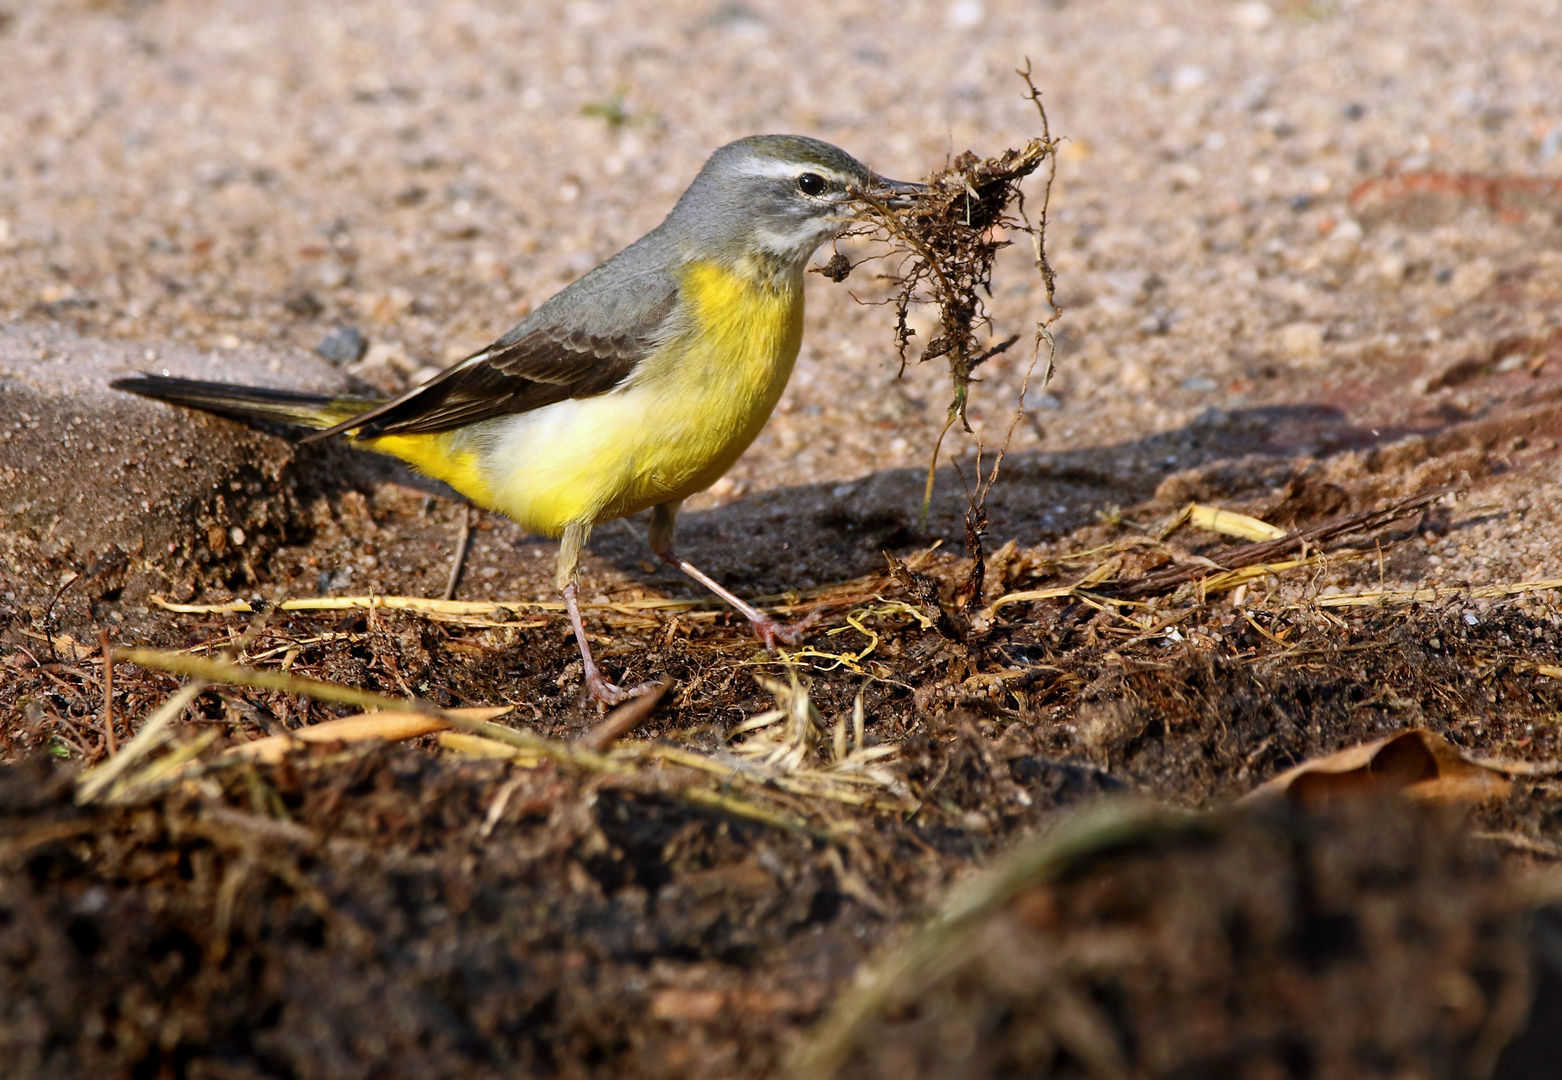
248,402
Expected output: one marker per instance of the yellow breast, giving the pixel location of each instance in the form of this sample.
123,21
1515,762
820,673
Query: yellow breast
712,390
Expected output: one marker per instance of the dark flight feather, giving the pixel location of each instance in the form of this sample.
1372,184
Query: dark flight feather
542,361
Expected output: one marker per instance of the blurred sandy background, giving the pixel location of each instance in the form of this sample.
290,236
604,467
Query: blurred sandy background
245,177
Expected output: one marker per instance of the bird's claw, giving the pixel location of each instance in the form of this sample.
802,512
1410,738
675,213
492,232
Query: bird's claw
770,630
607,694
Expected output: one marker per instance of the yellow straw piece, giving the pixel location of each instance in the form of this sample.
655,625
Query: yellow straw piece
479,747
389,725
1231,523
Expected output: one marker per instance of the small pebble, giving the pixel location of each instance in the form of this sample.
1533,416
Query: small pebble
344,345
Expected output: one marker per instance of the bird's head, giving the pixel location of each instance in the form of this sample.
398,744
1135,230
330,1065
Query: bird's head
773,199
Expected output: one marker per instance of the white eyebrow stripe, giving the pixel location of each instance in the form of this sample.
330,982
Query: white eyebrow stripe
770,168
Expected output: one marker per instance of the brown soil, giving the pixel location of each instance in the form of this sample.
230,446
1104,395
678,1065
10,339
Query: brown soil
356,914
1356,943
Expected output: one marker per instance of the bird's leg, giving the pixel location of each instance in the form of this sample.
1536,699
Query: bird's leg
602,691
768,628
598,687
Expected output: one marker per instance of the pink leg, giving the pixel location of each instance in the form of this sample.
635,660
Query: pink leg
768,628
602,691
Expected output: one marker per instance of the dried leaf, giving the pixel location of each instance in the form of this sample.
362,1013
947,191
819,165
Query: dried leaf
1418,764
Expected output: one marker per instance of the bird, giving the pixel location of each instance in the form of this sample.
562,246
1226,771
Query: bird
631,389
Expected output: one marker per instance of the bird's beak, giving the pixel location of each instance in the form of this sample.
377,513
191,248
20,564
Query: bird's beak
895,194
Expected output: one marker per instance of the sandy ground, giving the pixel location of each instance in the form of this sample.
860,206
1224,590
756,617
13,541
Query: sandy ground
239,181
1307,256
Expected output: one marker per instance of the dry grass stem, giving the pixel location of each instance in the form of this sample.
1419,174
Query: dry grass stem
1102,827
1385,597
154,732
786,767
223,671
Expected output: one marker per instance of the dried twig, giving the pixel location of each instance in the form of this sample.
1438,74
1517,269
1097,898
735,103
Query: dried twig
1269,551
624,718
458,559
1237,566
110,743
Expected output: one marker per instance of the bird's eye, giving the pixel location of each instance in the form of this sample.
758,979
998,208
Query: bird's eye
811,184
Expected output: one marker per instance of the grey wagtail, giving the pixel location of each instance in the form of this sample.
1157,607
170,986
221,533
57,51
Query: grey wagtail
633,388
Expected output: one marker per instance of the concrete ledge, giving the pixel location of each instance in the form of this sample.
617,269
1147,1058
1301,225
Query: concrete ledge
93,476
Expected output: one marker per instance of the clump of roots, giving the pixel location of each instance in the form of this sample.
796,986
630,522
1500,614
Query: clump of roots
951,234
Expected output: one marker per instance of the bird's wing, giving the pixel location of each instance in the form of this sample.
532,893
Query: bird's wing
546,359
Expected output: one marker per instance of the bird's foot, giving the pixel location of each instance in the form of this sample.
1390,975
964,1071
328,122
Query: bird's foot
770,630
606,694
